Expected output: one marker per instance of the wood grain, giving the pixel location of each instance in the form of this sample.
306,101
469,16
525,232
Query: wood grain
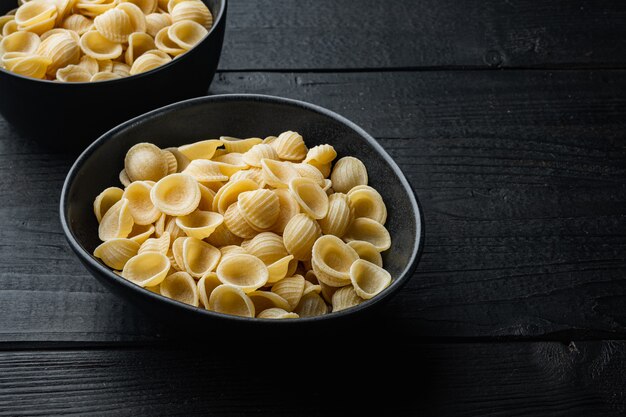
522,175
368,34
490,380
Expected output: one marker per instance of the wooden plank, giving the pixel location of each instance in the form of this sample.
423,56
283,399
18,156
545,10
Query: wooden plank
489,380
522,178
367,34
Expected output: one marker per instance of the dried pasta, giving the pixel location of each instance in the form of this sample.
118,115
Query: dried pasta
250,227
56,40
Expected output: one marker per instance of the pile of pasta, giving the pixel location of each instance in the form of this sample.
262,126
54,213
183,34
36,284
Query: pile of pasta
250,227
98,40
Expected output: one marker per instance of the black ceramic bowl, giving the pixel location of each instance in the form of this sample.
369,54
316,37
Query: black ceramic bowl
70,115
239,116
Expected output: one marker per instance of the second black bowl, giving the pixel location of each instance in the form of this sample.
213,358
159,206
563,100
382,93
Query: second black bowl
70,115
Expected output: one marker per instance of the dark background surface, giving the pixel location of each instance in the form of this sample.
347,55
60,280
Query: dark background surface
509,119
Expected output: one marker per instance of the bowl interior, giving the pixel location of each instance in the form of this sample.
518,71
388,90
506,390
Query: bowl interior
243,116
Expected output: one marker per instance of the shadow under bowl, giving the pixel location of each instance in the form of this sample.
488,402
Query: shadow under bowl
242,116
70,116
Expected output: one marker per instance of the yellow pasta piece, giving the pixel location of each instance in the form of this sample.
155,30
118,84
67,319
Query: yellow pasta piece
309,171
200,150
176,195
290,146
254,174
260,208
348,173
180,287
300,234
186,33
62,49
267,246
149,61
232,250
136,16
280,269
229,193
239,146
77,23
140,233
278,174
138,44
331,261
321,154
199,257
104,76
37,16
117,222
227,299
73,74
164,43
236,224
26,42
159,244
367,202
97,46
181,160
193,10
345,298
115,253
146,6
311,197
310,287
205,171
105,200
257,153
311,305
124,180
370,231
157,21
290,289
367,251
199,224
206,285
276,313
368,279
94,8
339,215
139,203
145,161
266,299
159,226
177,253
289,207
243,271
222,236
146,269
114,25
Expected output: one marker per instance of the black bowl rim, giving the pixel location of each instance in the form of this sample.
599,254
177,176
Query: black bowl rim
174,61
87,257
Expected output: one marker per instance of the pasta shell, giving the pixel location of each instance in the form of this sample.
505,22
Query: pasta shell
186,33
230,250
159,245
311,277
115,253
34,66
180,287
254,174
9,26
146,269
57,31
339,215
105,200
145,161
370,231
239,145
206,285
278,174
157,21
266,299
201,150
156,289
300,234
199,257
176,195
105,65
229,169
328,291
94,8
172,228
205,171
311,305
124,180
289,207
276,313
140,204
348,173
114,25
309,171
222,236
291,289
140,234
227,299
172,163
321,154
194,10
367,251
267,246
149,61
72,74
279,269
181,160
207,196
243,271
121,69
199,224
331,261
310,287
312,199
257,153
367,202
62,49
290,146
236,224
233,158
138,44
136,16
25,42
159,226
368,279
89,64
34,12
164,43
269,139
104,76
146,6
260,208
117,222
323,168
77,23
97,46
229,194
345,298
177,253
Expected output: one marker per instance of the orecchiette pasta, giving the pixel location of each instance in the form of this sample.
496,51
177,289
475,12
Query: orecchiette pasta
254,221
56,39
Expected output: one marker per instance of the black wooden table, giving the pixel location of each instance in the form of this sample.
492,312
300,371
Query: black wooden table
508,117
